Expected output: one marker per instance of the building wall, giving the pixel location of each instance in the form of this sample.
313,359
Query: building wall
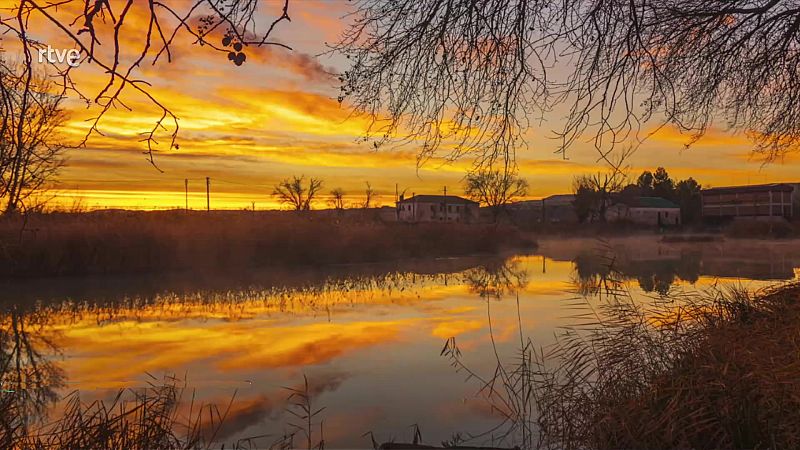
796,200
655,216
644,216
435,212
748,204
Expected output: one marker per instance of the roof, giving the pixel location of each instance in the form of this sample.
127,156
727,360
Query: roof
652,202
525,204
772,187
559,199
450,199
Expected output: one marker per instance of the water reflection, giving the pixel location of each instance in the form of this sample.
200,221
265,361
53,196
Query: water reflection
29,378
594,271
496,278
368,337
227,338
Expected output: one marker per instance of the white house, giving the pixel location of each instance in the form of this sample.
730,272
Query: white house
437,208
646,211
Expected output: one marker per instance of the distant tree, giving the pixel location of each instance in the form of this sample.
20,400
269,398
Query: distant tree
663,186
596,192
337,198
368,194
495,189
645,183
585,202
630,193
687,193
30,149
294,192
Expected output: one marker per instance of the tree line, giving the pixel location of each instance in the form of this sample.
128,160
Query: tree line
594,194
299,194
494,189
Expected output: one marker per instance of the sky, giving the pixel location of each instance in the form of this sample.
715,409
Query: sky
247,127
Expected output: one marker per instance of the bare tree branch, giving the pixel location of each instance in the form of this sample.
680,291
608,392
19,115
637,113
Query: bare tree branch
104,38
466,76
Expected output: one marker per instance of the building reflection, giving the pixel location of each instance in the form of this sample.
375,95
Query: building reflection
656,274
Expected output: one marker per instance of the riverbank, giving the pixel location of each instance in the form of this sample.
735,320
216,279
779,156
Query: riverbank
737,229
565,248
717,371
148,242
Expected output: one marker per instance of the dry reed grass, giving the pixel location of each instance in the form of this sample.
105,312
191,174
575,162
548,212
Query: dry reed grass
712,370
152,417
141,242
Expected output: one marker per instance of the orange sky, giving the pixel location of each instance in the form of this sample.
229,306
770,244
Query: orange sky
277,115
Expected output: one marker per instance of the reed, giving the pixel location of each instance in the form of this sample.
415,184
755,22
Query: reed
142,242
155,416
720,370
699,370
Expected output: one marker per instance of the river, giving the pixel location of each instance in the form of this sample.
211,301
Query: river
369,339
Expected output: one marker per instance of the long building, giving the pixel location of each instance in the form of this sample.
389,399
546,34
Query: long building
756,201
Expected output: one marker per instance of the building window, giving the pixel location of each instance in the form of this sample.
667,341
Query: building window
450,208
433,208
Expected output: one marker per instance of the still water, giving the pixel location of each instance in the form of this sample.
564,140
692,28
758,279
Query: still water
368,339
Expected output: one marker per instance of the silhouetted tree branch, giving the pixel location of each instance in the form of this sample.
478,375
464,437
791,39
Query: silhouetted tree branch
495,189
295,193
110,35
30,152
467,76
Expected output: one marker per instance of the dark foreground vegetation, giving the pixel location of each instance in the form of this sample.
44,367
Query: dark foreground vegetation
712,372
162,415
140,242
716,370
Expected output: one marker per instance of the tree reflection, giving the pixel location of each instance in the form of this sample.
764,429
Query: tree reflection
597,271
496,278
29,375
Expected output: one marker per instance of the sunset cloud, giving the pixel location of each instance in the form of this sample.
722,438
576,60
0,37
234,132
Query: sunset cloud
277,115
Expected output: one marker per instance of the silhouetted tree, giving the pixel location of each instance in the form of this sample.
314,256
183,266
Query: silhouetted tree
688,194
337,198
368,194
472,74
30,151
594,194
495,189
294,192
586,199
645,183
663,186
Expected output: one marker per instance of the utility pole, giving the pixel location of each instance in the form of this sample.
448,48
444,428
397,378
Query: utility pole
208,194
186,190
